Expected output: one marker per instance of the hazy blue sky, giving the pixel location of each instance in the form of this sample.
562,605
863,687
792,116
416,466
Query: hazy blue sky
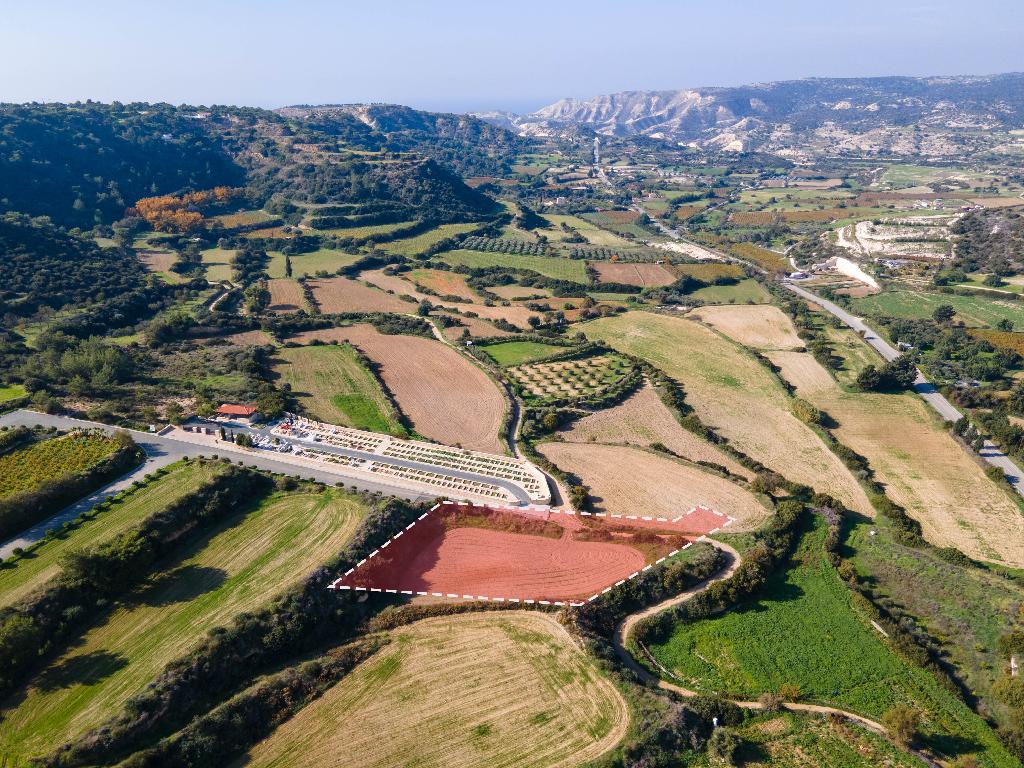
464,54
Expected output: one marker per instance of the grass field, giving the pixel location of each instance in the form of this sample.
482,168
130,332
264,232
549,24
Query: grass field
590,231
761,328
241,565
746,291
517,352
334,386
732,392
31,571
809,633
25,469
218,264
357,233
322,260
560,269
509,689
410,246
11,392
973,310
969,603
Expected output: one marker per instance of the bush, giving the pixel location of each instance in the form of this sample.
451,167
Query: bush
724,746
901,723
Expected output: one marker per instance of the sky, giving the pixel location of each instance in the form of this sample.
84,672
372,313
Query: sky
462,55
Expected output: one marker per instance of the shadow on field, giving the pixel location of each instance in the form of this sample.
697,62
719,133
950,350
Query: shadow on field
179,586
87,669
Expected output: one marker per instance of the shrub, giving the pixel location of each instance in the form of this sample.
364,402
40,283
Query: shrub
902,723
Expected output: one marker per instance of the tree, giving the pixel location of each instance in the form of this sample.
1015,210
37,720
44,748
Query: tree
287,266
869,378
174,413
943,313
424,307
902,723
1006,324
549,422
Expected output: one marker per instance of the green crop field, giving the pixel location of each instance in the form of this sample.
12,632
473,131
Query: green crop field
334,386
516,352
358,233
29,572
973,310
560,269
746,291
27,468
410,246
237,567
805,630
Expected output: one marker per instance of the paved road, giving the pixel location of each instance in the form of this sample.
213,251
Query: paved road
516,490
990,453
161,451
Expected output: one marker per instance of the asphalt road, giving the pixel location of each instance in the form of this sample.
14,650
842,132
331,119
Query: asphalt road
161,451
990,453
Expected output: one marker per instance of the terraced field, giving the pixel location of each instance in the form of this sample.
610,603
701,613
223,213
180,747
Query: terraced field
334,386
31,572
517,690
241,565
733,393
561,269
642,420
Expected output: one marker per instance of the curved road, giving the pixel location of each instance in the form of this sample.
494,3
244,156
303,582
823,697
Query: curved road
990,453
625,629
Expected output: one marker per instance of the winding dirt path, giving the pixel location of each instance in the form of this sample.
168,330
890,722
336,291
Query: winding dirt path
625,629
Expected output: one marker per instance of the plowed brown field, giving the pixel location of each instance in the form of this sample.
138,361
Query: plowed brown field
447,398
730,391
285,295
339,294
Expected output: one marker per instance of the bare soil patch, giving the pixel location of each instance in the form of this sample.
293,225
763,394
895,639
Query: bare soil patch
733,393
443,283
340,294
447,398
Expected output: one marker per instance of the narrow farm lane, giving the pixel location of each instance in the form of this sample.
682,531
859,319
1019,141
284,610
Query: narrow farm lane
990,453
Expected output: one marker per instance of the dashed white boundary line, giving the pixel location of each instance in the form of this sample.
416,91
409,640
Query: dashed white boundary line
337,585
